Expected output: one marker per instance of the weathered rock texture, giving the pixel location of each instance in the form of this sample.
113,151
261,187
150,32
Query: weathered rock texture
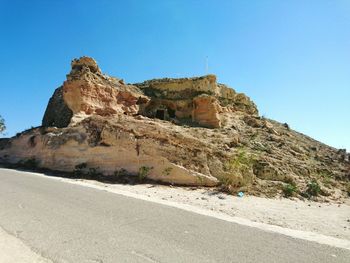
57,113
197,100
159,129
188,100
86,92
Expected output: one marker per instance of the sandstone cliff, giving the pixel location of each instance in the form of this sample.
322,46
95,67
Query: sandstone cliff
188,131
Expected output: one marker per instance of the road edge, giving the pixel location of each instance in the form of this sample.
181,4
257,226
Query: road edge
298,234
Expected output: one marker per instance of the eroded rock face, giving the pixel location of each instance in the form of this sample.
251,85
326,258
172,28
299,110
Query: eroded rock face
57,113
110,146
88,91
206,111
199,99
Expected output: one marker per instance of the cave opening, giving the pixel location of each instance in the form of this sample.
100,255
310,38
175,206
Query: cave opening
171,113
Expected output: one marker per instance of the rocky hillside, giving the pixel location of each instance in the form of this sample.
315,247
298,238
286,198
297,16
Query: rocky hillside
188,131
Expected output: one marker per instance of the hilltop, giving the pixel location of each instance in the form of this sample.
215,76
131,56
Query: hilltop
186,131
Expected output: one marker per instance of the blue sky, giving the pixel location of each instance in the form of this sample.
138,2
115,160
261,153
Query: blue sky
292,57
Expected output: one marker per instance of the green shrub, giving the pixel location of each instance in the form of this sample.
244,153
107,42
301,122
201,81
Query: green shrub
313,188
238,171
144,172
289,190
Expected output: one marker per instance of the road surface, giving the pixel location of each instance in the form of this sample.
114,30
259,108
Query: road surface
64,222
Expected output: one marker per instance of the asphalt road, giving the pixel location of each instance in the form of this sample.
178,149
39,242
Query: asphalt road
71,223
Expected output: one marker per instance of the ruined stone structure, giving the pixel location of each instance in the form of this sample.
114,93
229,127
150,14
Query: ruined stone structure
197,101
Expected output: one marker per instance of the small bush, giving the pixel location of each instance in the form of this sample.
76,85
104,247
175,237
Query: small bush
289,190
81,166
120,173
94,172
286,125
79,169
144,172
313,188
238,171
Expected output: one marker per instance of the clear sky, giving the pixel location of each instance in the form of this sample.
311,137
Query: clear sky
292,57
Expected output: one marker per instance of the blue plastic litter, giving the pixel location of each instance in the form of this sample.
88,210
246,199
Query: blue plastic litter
240,194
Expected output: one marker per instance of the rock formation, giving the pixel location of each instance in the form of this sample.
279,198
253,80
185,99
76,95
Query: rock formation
86,92
188,131
189,100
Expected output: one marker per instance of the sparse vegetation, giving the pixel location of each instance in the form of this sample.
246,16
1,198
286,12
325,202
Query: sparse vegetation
313,188
326,178
289,180
83,170
200,180
94,172
79,169
289,190
81,166
286,125
120,173
242,160
144,172
347,188
239,171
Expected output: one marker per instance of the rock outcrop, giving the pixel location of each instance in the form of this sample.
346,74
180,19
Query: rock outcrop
188,131
86,92
198,100
57,113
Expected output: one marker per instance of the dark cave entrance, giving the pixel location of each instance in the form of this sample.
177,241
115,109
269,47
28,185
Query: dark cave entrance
171,113
160,114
